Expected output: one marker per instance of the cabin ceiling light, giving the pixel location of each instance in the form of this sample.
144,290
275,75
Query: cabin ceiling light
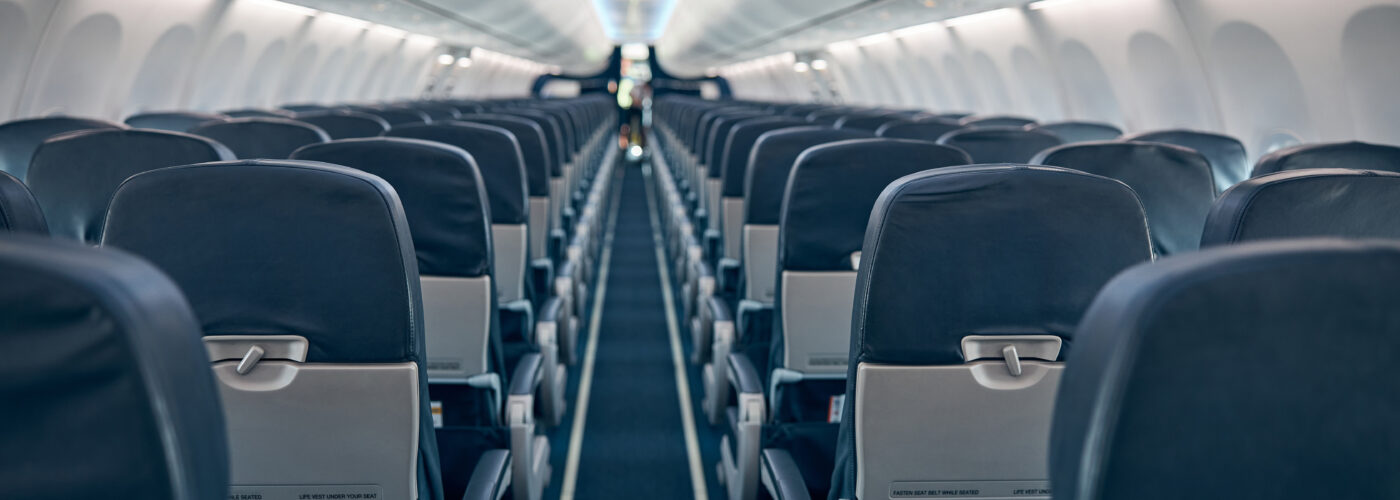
464,62
293,8
800,67
1045,4
980,16
446,59
873,39
819,64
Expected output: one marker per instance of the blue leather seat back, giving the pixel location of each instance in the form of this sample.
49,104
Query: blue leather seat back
1080,131
1353,155
929,129
740,147
343,124
1174,182
73,175
1307,203
20,138
268,138
1226,154
442,193
19,211
533,148
959,265
1000,144
772,160
497,155
1254,371
106,386
268,250
174,121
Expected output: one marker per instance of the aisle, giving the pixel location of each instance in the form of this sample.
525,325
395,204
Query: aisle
633,444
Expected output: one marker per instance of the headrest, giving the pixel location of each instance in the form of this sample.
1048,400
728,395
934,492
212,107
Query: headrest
309,107
1000,144
1226,154
174,121
739,147
831,190
435,111
442,193
1080,131
281,247
1353,155
257,113
271,138
19,139
1174,183
718,136
74,174
533,148
988,250
553,135
868,121
106,386
343,124
983,121
19,211
1256,371
1307,203
922,130
771,161
497,156
397,116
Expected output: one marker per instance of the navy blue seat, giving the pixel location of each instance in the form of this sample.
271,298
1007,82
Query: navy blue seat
73,175
1174,183
19,211
174,121
344,124
310,108
1226,154
435,111
1252,371
1000,144
106,386
271,138
257,113
1307,203
20,138
1353,155
397,116
971,282
827,204
733,165
303,278
445,202
983,121
929,129
1080,131
868,121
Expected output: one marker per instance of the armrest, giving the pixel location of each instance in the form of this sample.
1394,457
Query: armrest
555,245
526,377
729,275
491,477
550,310
743,375
714,246
781,476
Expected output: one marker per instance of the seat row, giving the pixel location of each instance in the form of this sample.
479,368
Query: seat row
886,317
380,316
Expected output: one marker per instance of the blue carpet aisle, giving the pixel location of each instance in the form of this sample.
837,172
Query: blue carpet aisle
632,443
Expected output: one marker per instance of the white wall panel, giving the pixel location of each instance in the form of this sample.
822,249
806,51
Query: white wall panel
109,59
1270,72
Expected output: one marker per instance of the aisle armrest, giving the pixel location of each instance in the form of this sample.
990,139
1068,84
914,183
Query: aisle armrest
743,375
526,377
781,477
491,477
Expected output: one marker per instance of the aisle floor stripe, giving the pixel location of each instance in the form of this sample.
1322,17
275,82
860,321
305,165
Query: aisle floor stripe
692,444
590,355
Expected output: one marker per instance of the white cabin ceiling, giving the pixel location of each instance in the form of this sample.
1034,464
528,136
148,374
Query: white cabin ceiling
690,35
